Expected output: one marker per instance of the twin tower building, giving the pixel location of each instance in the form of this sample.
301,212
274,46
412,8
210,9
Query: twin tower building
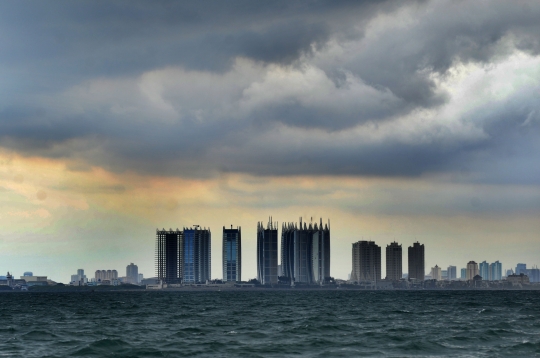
184,256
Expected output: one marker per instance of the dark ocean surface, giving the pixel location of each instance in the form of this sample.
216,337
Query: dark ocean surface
271,323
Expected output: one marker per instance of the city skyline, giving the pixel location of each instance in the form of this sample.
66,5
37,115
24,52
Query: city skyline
400,120
492,270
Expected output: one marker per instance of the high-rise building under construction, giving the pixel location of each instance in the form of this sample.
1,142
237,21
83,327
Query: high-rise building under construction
267,253
183,255
305,252
168,255
232,254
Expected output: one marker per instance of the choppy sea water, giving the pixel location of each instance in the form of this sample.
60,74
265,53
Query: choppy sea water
271,323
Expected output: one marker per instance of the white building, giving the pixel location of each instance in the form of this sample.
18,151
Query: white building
472,270
436,273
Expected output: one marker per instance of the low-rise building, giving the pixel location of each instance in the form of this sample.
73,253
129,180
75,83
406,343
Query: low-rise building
516,280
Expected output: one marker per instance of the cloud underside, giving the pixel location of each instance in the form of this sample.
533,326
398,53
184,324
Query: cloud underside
314,88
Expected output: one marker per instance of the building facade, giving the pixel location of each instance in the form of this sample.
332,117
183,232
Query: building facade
436,273
495,271
196,255
267,253
463,274
394,266
451,273
416,261
169,268
472,270
132,273
232,254
109,275
483,270
534,274
320,253
305,252
521,269
366,262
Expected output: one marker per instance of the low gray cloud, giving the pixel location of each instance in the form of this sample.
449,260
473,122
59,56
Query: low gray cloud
320,88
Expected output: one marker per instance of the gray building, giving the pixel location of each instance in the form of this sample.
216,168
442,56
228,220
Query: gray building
267,253
463,274
534,274
483,270
451,273
196,255
105,275
472,270
183,255
169,268
305,252
416,261
232,254
521,269
495,271
132,273
366,262
394,256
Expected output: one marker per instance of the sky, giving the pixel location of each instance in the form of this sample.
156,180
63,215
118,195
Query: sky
395,120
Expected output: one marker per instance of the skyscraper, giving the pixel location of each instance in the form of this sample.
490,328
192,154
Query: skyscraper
305,252
169,266
196,255
463,273
393,261
366,261
521,269
495,271
132,273
472,270
534,274
267,253
483,270
320,253
436,273
232,254
452,273
416,261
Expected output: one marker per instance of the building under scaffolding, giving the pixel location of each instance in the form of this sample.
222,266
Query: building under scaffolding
168,255
267,253
183,256
305,252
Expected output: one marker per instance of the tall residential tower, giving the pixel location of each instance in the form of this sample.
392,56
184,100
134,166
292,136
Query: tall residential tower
232,254
196,255
393,261
366,262
267,253
305,252
416,262
169,255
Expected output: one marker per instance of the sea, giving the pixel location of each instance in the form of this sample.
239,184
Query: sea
269,323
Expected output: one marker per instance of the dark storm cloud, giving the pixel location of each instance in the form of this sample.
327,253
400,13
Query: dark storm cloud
66,42
343,65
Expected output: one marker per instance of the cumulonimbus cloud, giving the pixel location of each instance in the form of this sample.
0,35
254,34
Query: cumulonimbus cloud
337,88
